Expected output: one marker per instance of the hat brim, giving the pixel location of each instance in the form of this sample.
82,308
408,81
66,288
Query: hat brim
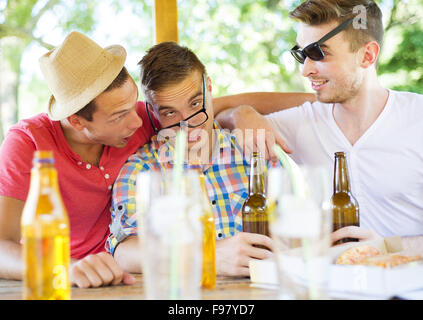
103,77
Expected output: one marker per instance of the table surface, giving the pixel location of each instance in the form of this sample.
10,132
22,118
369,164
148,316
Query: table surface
227,288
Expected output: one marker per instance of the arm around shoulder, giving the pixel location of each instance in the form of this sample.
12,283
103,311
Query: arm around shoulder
263,102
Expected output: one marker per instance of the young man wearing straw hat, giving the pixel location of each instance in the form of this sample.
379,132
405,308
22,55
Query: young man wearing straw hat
94,123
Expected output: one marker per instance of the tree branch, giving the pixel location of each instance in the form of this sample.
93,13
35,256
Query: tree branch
407,19
6,31
50,4
392,21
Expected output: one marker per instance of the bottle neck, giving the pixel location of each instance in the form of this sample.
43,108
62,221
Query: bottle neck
44,177
341,182
44,173
256,181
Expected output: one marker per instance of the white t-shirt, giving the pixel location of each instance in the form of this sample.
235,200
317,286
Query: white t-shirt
385,164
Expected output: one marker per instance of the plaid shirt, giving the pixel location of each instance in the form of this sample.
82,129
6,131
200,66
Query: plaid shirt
226,179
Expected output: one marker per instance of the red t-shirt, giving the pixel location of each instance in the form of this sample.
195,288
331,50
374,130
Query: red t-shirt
86,189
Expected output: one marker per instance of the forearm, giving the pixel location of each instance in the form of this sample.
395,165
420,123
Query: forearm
230,117
11,266
263,102
128,255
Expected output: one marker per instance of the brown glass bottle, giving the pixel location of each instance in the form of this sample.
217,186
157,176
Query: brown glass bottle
255,217
344,204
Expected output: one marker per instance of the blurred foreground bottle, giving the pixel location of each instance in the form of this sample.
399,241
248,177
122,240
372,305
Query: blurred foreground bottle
208,279
255,215
344,205
45,234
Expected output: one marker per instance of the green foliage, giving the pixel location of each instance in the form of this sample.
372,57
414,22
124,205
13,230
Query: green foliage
18,24
79,15
18,12
244,44
13,53
408,60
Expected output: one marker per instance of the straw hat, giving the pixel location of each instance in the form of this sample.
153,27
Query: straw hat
77,71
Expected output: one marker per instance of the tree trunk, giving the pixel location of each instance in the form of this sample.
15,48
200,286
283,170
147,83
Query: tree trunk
1,118
2,61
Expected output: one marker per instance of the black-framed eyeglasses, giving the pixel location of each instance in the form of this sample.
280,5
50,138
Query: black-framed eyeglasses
313,50
193,121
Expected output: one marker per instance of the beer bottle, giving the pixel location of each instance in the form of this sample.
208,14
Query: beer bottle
344,205
208,279
45,234
255,218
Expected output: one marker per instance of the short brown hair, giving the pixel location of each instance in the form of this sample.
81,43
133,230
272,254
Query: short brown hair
317,12
165,64
88,111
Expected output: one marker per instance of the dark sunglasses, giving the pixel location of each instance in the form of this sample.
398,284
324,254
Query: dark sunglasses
201,114
314,51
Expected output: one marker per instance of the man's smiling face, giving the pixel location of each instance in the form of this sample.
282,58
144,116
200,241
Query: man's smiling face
336,78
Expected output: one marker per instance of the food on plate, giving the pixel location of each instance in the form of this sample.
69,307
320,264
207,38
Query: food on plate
389,260
355,254
370,256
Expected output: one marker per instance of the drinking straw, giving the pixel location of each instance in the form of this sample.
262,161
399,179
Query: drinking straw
178,166
177,171
294,171
299,189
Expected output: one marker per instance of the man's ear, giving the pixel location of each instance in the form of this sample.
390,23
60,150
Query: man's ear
370,54
76,122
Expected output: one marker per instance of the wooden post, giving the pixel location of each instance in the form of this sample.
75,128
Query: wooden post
166,20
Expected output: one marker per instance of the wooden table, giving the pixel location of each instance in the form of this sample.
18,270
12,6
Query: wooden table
227,288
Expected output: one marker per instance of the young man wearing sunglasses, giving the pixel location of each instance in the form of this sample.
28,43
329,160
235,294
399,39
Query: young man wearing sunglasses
338,45
179,94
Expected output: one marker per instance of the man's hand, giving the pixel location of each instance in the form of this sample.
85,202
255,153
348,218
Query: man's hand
252,130
233,254
98,270
354,232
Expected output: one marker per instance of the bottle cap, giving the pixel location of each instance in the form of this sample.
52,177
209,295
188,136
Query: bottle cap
43,156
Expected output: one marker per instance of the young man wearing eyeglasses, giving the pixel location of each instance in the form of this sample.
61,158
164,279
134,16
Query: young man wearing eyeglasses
178,93
338,45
